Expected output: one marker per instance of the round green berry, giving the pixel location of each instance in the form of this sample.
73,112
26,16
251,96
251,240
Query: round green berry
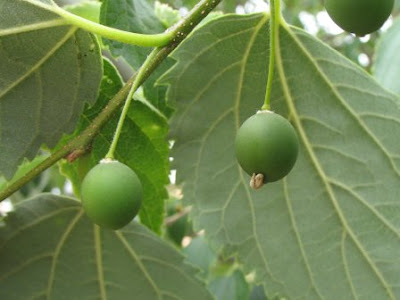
267,144
111,194
359,16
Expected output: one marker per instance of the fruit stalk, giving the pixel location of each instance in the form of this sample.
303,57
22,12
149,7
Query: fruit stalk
136,83
275,12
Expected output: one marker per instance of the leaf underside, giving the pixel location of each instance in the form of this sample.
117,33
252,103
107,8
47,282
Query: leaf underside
329,230
50,250
48,72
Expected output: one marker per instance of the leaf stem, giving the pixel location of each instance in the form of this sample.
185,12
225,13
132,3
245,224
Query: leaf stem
274,7
136,83
180,31
148,40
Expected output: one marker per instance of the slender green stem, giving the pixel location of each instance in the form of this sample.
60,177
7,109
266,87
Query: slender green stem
274,7
117,133
139,78
181,30
148,40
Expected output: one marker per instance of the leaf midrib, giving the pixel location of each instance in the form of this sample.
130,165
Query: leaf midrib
298,238
58,249
141,266
99,261
32,27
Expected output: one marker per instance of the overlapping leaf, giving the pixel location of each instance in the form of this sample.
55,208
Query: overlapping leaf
50,250
88,9
396,5
233,287
47,72
136,16
386,64
329,230
143,146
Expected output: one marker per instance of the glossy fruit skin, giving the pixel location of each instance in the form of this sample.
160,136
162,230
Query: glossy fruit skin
111,194
359,16
267,144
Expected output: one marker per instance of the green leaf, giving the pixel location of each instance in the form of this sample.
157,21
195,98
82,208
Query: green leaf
86,9
166,14
233,287
396,6
48,71
24,168
50,250
136,16
143,146
331,228
387,60
257,293
199,254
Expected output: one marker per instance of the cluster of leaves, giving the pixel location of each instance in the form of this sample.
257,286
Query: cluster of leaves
329,230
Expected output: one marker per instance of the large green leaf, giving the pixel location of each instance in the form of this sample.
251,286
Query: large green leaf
143,146
50,250
386,64
329,230
48,71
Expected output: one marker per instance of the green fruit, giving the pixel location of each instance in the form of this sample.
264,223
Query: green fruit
359,16
267,144
111,194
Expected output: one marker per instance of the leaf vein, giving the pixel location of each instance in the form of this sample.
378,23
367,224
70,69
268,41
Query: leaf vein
345,265
35,222
141,266
366,205
99,261
32,27
298,238
57,251
35,67
314,159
